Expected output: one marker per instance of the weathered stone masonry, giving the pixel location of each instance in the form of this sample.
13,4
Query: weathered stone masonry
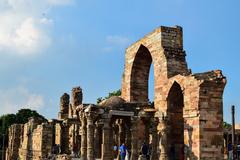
201,93
185,123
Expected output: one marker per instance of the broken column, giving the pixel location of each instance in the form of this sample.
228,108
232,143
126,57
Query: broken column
64,106
77,97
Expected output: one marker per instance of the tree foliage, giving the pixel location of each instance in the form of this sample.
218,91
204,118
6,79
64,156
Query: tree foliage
110,94
226,125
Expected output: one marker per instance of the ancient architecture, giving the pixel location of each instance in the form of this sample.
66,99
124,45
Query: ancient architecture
185,121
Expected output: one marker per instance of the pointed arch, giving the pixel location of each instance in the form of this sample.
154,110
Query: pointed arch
175,102
140,75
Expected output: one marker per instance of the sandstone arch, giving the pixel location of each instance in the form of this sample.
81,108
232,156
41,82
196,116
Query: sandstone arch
164,46
201,94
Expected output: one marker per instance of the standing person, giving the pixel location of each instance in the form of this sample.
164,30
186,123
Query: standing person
230,151
115,150
144,150
172,152
123,151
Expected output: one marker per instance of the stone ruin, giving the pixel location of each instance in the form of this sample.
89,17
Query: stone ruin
187,116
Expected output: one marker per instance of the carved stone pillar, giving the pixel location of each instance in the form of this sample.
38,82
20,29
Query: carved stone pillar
154,154
128,137
65,145
83,138
107,142
134,131
147,127
121,131
163,143
73,138
90,137
116,134
97,141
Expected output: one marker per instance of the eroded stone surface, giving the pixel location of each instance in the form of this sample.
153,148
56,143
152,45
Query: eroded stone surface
186,121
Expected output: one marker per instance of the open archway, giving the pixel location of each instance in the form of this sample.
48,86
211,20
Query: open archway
140,75
175,113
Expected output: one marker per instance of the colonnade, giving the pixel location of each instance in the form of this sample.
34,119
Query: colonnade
98,135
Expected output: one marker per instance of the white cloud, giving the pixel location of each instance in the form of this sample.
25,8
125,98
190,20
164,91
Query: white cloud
116,41
24,26
20,97
60,2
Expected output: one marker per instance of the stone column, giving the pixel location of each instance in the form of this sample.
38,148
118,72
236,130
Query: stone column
147,127
107,145
65,144
121,131
163,142
128,137
117,134
96,141
90,136
64,106
73,139
134,131
76,100
83,138
154,154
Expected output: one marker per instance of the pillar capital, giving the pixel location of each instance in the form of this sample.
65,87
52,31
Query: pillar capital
81,115
90,116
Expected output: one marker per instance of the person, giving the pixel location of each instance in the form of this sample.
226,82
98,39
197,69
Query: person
115,150
230,151
123,151
238,151
144,150
172,152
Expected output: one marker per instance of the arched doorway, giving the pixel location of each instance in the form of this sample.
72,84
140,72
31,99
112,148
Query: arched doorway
175,114
140,75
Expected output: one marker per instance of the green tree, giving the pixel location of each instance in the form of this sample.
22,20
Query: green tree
226,125
110,94
23,115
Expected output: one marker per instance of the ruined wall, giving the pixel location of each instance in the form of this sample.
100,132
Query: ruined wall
68,135
15,133
211,115
77,96
76,100
64,106
37,140
201,111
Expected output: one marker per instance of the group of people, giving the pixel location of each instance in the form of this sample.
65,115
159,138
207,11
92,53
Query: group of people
233,151
125,153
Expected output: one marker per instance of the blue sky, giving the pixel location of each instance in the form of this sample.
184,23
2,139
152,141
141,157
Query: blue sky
49,46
